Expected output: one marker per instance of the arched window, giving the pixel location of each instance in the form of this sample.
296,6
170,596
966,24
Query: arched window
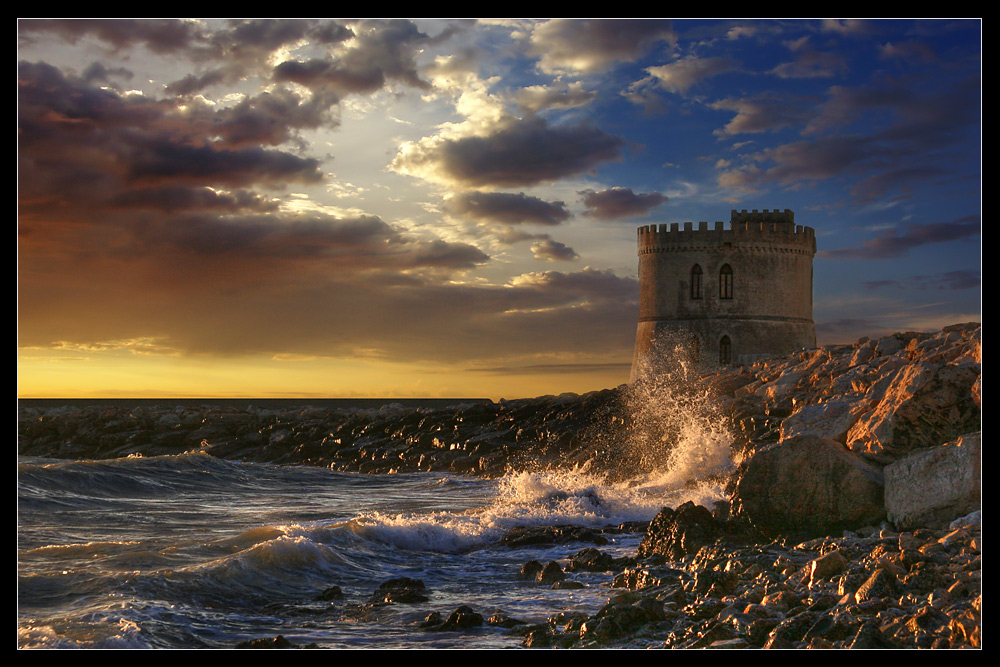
726,282
695,282
725,351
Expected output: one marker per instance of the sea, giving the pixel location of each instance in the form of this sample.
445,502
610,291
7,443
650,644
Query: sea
193,552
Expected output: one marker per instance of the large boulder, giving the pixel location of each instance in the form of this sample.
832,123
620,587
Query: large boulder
809,484
930,487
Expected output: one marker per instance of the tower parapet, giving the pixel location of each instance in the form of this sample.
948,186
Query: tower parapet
775,229
734,292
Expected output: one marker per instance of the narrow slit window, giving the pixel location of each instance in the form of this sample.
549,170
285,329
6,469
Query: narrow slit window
725,351
695,282
726,282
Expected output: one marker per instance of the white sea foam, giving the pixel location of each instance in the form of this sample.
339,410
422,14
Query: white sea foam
678,449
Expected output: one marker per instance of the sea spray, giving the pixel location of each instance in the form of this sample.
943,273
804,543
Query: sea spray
677,437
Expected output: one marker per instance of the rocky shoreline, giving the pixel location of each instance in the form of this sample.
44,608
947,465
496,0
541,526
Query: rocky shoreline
853,517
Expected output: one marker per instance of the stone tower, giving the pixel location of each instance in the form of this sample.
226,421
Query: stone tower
727,295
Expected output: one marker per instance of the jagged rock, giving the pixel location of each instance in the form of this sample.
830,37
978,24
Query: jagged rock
590,560
830,419
926,404
462,618
550,574
675,533
936,485
826,566
881,584
809,485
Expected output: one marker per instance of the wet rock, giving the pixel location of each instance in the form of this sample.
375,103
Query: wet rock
401,590
526,536
330,594
462,618
503,621
530,570
590,560
276,642
965,628
432,620
550,574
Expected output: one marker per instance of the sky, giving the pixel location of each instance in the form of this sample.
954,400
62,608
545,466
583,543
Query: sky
448,208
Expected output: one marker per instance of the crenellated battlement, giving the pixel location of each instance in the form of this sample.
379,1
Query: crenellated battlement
754,228
786,215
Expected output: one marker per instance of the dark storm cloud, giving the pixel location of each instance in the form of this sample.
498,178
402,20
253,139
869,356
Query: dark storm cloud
271,118
248,40
318,73
358,243
378,50
100,149
897,242
195,83
159,161
213,304
549,250
508,208
159,35
171,191
526,152
381,51
620,202
949,280
104,74
171,199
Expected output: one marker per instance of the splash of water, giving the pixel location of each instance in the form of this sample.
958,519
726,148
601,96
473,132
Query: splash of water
678,438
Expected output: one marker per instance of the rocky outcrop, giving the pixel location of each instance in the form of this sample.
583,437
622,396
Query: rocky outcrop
880,398
818,427
481,438
932,486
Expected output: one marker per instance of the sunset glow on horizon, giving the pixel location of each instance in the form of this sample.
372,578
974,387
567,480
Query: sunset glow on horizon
448,208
